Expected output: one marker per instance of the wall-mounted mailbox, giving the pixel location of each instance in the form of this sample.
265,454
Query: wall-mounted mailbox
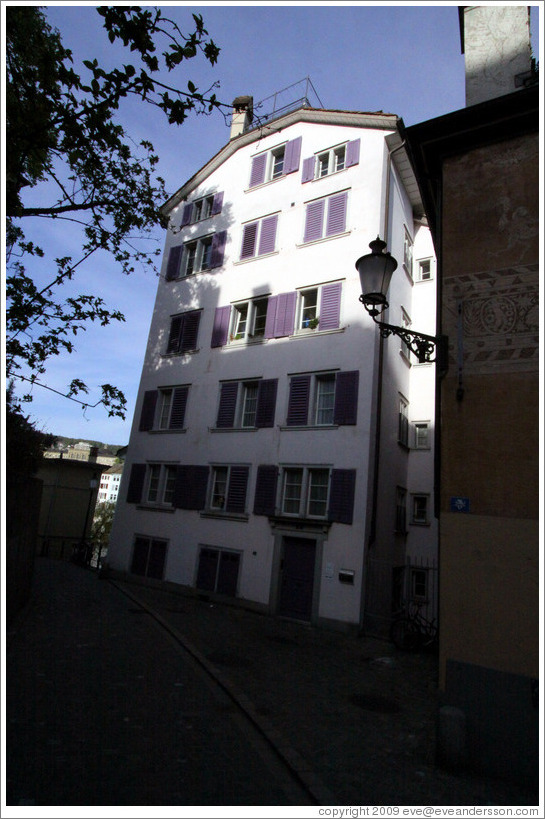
346,576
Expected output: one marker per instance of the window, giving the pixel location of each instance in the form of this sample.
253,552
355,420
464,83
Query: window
218,571
406,324
259,237
247,404
183,334
325,217
319,307
408,253
331,161
278,162
228,489
419,584
401,511
403,422
160,485
196,256
148,557
164,409
424,271
323,399
421,435
420,510
248,320
201,209
305,492
309,308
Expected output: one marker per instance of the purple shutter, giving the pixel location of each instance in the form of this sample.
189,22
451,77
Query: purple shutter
285,314
236,492
346,397
266,402
248,240
186,214
136,483
336,214
265,490
308,169
257,173
267,239
220,330
352,153
270,321
190,487
173,345
218,249
173,264
292,155
228,404
179,403
314,220
217,204
148,410
190,331
341,495
298,401
330,307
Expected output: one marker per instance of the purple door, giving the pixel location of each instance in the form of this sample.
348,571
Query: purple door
297,578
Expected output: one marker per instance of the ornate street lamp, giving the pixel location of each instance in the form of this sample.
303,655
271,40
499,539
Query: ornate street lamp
375,271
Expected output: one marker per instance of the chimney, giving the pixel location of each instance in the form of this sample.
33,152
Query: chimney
93,453
496,45
243,114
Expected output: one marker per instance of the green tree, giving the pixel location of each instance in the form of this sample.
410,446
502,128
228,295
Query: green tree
64,141
24,444
102,526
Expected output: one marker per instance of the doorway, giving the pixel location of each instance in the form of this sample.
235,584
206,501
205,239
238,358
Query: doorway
297,578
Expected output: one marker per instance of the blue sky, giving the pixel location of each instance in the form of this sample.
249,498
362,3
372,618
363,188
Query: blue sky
400,58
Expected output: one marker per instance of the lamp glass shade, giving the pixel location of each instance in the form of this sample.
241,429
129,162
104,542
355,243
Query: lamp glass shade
375,272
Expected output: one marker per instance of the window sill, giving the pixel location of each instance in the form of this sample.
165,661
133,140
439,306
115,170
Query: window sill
166,431
185,352
236,516
308,427
311,333
256,258
313,525
149,507
245,342
420,523
233,429
324,239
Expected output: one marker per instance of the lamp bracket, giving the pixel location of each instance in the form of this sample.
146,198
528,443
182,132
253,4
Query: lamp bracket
423,346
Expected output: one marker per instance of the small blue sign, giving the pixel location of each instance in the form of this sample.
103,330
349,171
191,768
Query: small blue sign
459,505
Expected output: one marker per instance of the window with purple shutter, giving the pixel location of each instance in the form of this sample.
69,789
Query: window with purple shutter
208,569
179,403
330,306
220,330
346,398
218,248
341,495
292,155
299,400
353,153
265,490
266,403
148,410
217,204
314,220
257,173
336,214
190,487
267,238
173,264
236,491
227,405
184,330
186,214
309,165
174,334
249,236
136,483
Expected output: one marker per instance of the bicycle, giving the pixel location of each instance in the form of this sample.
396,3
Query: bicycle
411,631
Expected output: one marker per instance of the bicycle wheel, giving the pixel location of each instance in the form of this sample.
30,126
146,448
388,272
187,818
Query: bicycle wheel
405,635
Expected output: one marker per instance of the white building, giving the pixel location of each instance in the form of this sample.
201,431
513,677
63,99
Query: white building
110,481
252,469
